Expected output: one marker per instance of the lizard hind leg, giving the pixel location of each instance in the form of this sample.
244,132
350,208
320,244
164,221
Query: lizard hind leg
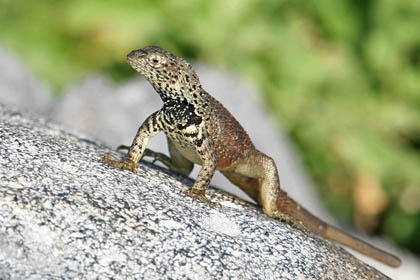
277,204
257,177
251,187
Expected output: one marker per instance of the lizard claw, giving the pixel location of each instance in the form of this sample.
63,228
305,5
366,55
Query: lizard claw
200,195
124,164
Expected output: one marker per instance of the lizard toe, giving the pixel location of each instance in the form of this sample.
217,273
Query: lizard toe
200,196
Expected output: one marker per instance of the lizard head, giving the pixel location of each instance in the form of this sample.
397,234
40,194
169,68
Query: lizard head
171,76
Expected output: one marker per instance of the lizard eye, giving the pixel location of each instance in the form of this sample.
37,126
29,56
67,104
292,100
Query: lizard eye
155,60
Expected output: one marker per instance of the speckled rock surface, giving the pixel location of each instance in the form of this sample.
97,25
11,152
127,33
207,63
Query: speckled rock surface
65,215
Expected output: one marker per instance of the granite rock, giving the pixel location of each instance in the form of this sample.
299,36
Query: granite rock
65,215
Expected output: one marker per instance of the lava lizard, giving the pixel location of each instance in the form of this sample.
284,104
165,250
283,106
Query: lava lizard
200,130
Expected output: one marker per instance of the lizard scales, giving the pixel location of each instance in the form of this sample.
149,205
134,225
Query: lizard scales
201,130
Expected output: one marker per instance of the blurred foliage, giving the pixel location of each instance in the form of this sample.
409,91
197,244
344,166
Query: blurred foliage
342,76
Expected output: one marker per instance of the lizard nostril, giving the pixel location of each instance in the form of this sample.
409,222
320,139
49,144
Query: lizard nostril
136,54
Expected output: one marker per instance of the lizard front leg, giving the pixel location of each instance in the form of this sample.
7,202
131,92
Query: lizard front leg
206,149
150,127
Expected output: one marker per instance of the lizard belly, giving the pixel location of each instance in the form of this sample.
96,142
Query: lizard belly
189,153
185,148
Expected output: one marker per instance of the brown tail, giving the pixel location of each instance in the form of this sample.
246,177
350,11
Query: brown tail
288,206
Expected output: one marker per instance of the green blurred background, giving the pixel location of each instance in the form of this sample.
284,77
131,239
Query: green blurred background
343,77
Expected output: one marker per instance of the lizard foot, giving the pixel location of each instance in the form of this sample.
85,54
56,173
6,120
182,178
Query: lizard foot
124,164
200,195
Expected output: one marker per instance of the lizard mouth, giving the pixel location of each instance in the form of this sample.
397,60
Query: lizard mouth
135,58
135,55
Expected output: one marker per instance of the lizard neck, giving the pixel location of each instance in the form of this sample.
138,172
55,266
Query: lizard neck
187,111
181,113
191,99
